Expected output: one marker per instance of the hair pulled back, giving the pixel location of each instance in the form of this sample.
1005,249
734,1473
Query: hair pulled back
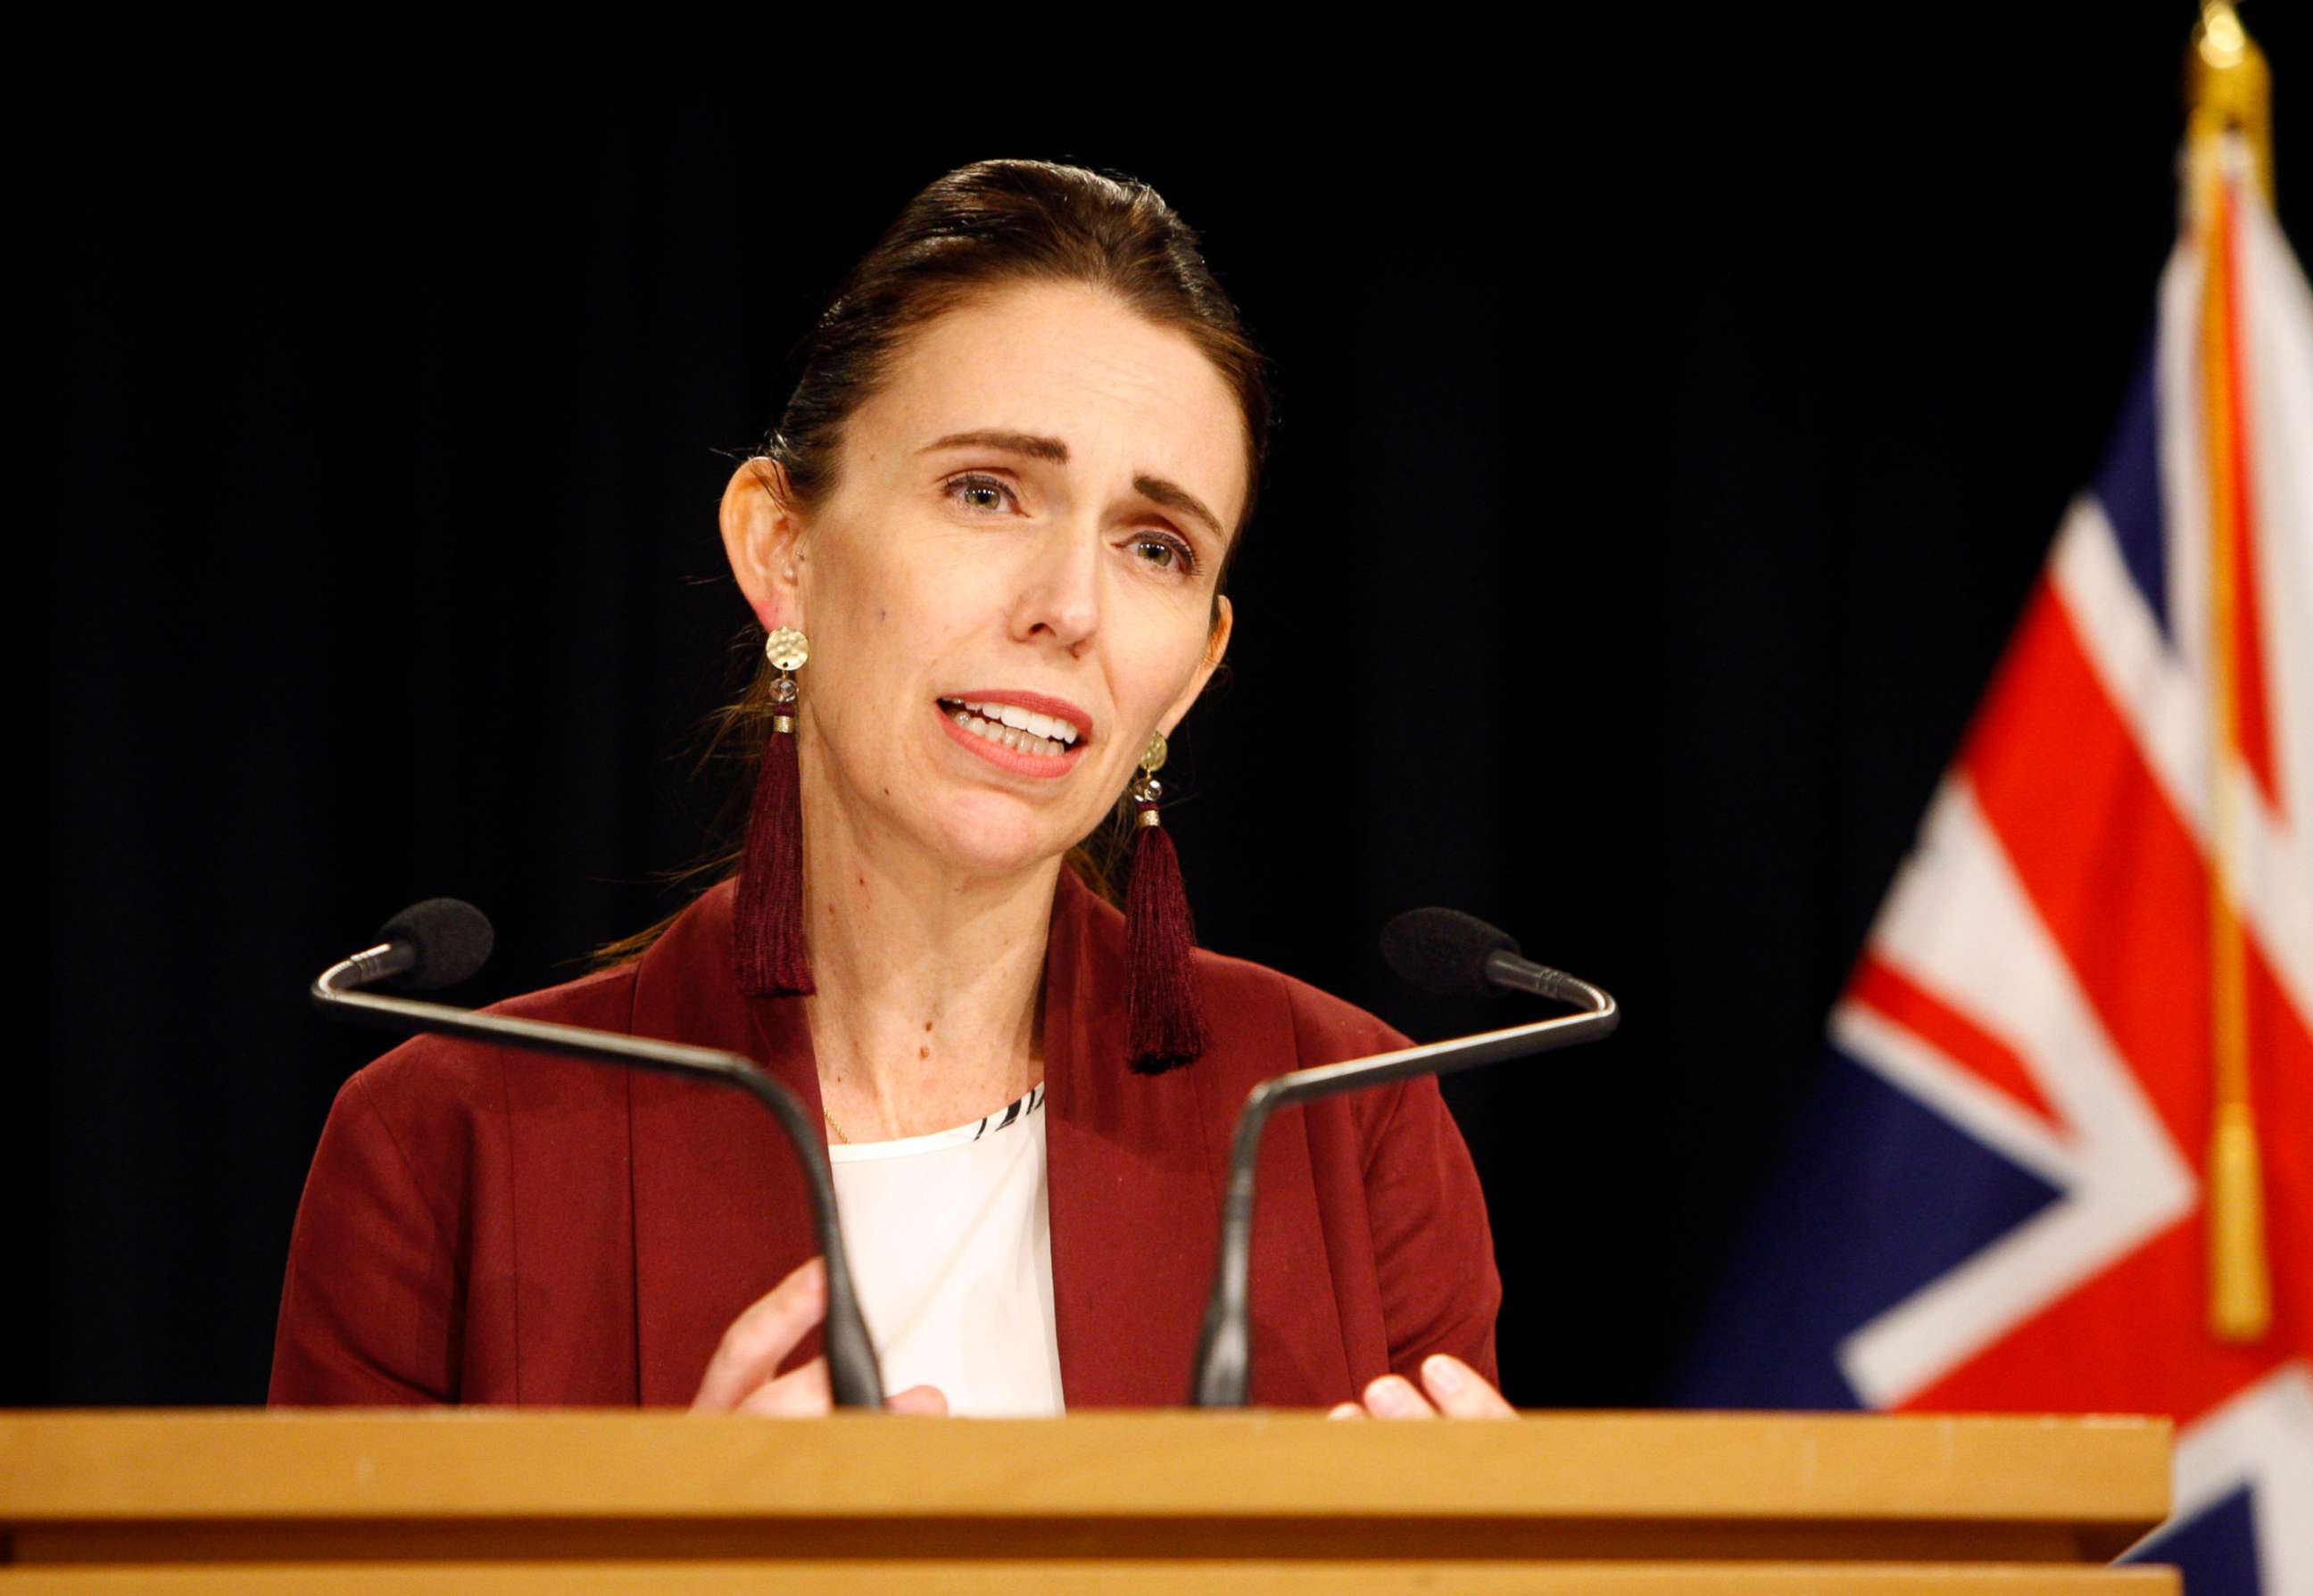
996,224
980,229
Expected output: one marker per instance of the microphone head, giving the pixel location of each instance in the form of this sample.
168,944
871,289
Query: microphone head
451,937
1444,951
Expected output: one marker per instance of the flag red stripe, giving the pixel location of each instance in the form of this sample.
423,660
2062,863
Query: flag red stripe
1897,998
2129,1341
2116,876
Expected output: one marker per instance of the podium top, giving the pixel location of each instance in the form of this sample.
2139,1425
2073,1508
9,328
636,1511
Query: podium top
2072,1487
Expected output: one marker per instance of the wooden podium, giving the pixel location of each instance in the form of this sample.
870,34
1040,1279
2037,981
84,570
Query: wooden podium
499,1502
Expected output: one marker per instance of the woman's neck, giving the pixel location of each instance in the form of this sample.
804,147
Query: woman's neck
927,1012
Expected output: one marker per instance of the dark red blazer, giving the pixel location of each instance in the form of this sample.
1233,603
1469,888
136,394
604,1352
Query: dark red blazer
483,1225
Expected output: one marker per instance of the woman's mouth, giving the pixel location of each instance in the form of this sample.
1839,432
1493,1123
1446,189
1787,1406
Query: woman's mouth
1017,740
1023,730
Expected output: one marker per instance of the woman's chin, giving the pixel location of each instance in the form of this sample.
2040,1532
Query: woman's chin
983,840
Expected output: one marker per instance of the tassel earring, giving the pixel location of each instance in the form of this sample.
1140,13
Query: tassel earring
1165,1027
767,933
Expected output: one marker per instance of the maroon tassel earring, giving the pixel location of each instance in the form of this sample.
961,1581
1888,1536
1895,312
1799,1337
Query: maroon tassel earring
766,931
1165,1027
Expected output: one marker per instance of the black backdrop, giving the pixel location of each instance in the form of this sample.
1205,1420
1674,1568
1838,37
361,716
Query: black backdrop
1673,421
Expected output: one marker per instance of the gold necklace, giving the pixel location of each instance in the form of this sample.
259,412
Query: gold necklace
838,1129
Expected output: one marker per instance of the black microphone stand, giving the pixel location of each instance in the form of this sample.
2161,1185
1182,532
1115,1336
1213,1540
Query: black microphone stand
854,1376
1223,1373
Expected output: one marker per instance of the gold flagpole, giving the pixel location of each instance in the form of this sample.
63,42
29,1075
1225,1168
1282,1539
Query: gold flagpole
2229,91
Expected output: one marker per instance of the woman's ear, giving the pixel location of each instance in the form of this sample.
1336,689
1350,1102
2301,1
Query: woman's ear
761,538
1217,642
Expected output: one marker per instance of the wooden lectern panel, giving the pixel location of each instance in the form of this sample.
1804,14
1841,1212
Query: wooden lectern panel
1098,1579
501,1500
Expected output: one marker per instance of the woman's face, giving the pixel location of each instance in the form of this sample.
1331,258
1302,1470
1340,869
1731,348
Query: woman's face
1027,525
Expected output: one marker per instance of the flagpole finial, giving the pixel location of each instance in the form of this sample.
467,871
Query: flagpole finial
2228,87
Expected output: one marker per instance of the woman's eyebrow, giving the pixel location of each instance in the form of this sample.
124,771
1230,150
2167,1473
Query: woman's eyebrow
1028,443
1156,490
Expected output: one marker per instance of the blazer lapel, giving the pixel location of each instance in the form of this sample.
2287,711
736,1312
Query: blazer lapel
1134,1203
722,1211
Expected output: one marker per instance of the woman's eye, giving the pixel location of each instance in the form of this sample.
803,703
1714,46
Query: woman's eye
980,492
1166,553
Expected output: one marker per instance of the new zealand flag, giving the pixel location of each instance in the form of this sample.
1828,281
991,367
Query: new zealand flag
2096,965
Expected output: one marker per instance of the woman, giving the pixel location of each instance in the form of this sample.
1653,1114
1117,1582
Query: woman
985,544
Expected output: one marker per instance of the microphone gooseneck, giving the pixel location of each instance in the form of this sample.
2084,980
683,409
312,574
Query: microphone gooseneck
1447,952
442,941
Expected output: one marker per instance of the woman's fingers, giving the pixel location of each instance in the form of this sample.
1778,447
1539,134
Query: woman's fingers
925,1401
1390,1397
744,1377
1460,1392
802,1392
760,1338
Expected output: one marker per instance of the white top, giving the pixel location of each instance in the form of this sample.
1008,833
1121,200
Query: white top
951,1247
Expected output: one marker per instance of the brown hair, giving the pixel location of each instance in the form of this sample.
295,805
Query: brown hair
982,227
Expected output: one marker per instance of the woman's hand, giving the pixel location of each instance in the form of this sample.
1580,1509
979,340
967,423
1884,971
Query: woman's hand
742,1376
1455,1389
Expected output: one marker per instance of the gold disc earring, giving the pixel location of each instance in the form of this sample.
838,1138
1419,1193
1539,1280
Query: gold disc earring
766,929
1164,1024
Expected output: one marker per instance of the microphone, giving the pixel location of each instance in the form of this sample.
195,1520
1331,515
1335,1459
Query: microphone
1451,954
442,941
427,946
1441,950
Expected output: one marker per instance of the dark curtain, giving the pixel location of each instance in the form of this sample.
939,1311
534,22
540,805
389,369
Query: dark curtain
1673,417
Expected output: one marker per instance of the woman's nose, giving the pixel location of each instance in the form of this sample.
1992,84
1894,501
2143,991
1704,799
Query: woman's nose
1059,596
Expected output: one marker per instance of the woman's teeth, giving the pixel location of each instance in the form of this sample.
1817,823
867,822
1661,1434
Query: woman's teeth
1012,727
